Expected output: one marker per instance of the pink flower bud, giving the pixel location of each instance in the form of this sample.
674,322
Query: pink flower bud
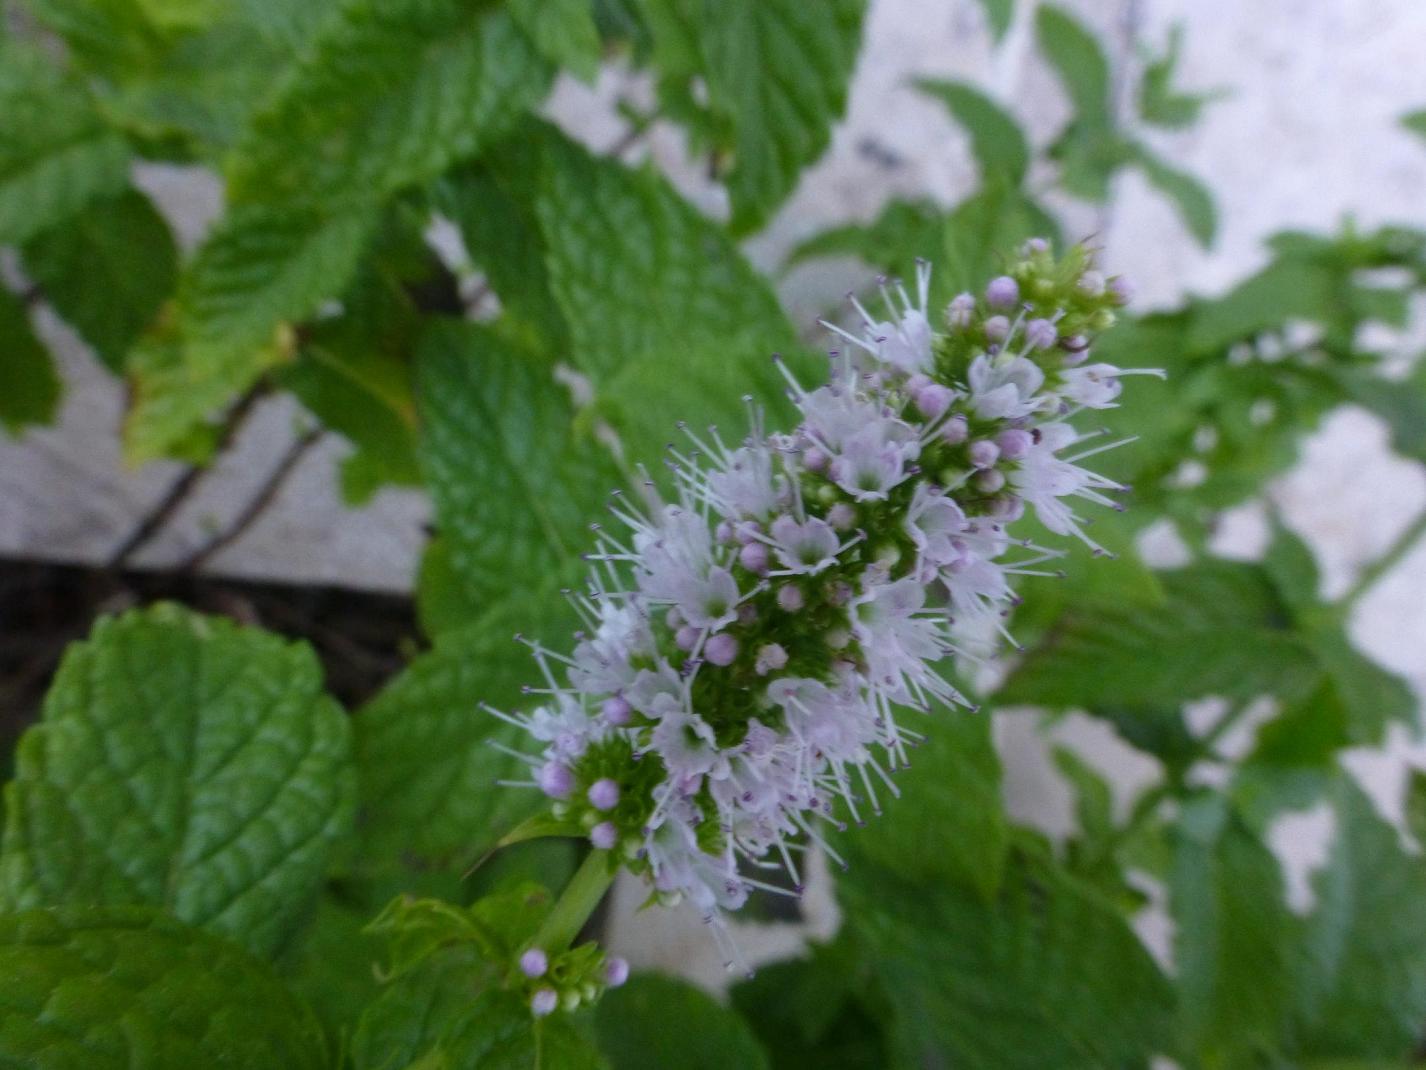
933,400
534,963
721,649
686,638
544,1002
556,780
604,835
753,557
984,453
603,794
616,972
1014,443
997,328
790,598
842,516
1002,292
617,710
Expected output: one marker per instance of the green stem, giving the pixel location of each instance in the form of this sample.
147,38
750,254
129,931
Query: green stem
1384,564
576,903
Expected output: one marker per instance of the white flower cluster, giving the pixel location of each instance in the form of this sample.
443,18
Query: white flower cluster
753,647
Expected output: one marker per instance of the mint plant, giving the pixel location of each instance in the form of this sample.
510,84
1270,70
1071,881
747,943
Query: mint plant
806,609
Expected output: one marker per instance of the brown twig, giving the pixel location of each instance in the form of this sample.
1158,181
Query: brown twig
183,486
260,501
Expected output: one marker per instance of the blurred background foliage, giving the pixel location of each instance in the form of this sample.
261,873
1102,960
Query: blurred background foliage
590,305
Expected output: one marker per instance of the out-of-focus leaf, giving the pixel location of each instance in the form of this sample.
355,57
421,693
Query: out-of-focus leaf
1190,196
1048,974
1159,102
1361,978
387,95
1415,121
978,232
1221,631
496,217
186,763
1401,404
563,31
261,270
1231,936
812,1008
29,386
56,153
904,232
778,69
106,271
999,14
120,987
997,141
1079,61
633,1026
948,823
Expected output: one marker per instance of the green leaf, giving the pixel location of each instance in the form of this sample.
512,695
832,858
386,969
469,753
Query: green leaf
812,1011
1222,631
563,31
1048,974
634,1027
659,302
492,208
445,1015
981,229
29,385
997,141
106,271
1190,196
1159,102
1415,121
948,823
1285,289
332,965
56,154
514,487
355,373
1231,936
892,242
779,70
388,94
1091,853
426,768
1401,404
999,13
182,762
1079,61
261,270
116,988
1362,977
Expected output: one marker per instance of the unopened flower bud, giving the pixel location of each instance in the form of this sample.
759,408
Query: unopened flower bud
753,557
933,400
989,481
960,312
997,328
603,794
1040,334
604,835
617,710
544,1002
616,972
534,963
771,657
984,453
1091,284
838,638
1122,289
814,459
721,649
842,516
556,780
686,638
1014,443
1034,247
790,598
955,431
1002,292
